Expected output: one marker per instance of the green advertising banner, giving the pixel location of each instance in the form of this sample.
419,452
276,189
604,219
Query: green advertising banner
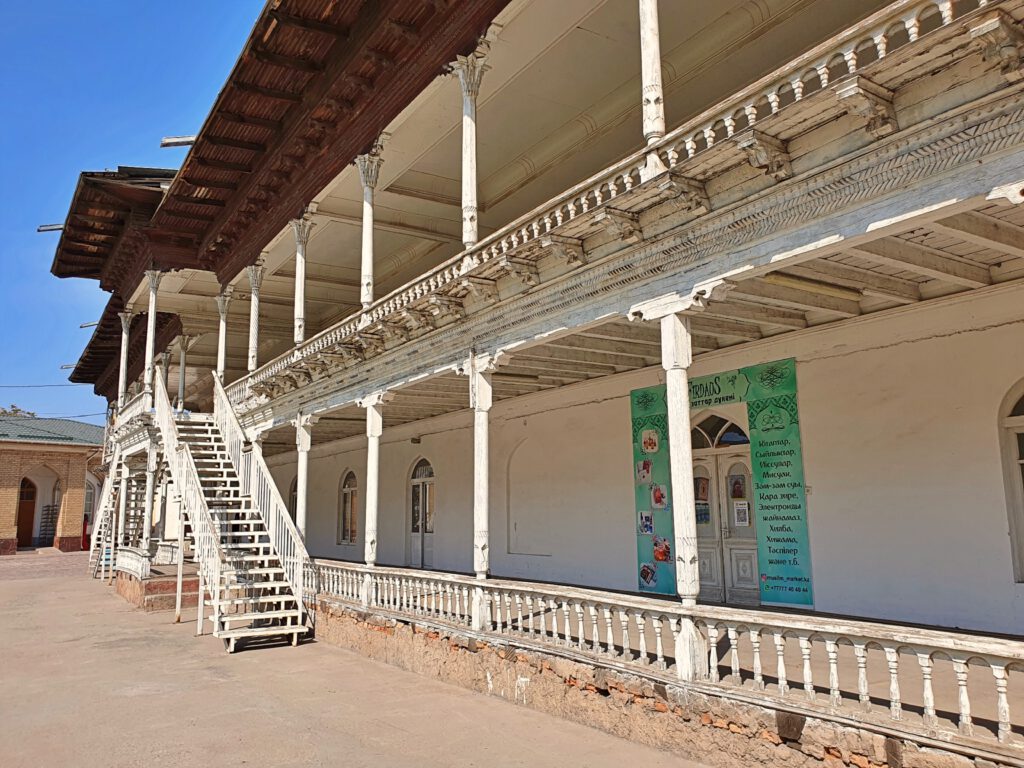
656,571
783,546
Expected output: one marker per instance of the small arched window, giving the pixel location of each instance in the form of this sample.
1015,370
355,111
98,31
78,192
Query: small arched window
348,510
293,497
1013,462
716,432
422,483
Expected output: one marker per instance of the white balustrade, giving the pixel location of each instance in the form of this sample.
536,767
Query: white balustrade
259,485
862,670
134,561
103,517
877,37
134,407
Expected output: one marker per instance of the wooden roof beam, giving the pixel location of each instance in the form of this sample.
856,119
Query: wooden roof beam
223,165
225,141
243,119
930,262
795,298
288,62
986,231
870,283
313,25
210,183
780,318
270,93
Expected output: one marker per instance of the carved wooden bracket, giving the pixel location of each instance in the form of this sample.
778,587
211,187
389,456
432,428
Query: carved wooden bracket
766,153
394,331
863,98
621,225
481,288
442,307
568,249
688,194
370,343
1001,40
415,320
523,270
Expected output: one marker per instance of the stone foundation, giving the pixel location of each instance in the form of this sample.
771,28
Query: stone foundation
701,727
157,593
68,543
8,546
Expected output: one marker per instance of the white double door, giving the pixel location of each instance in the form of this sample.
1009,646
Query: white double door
726,533
421,525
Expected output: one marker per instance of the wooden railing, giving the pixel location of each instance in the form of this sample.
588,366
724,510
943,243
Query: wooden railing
100,559
132,408
258,484
880,36
866,672
205,536
134,561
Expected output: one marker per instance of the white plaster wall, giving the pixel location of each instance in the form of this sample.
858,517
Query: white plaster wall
907,509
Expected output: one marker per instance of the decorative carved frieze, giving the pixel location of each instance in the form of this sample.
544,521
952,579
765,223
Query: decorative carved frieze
620,225
766,153
870,101
523,270
1001,40
481,288
567,249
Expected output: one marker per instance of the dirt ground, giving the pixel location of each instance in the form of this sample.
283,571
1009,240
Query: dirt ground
86,680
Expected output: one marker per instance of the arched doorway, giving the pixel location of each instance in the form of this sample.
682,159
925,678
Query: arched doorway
726,533
26,512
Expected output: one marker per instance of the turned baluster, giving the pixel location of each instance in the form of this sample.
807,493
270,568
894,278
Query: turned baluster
567,633
822,69
773,101
881,44
834,697
709,136
946,9
780,654
659,651
713,653
529,614
641,630
913,28
734,654
627,651
519,612
863,694
966,726
1002,703
730,125
850,57
751,112
572,209
805,652
608,634
928,695
595,637
691,147
559,216
755,646
892,658
581,628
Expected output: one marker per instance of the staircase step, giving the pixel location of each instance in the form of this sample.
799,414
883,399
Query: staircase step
228,634
253,600
256,585
286,613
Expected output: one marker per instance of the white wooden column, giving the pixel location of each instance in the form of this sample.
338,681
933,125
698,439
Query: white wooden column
147,509
122,506
153,275
255,273
374,428
480,399
122,375
223,300
676,356
303,441
470,70
302,228
651,90
369,171
182,353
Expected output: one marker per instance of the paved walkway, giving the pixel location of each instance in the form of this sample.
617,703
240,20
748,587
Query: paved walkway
89,681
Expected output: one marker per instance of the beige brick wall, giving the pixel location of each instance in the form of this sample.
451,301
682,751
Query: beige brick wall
70,466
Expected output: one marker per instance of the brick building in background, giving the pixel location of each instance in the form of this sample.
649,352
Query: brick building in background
47,486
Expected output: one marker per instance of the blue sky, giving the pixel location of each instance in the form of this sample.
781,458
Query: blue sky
88,86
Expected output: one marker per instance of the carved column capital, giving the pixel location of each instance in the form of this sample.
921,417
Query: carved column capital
369,164
470,70
224,299
255,274
302,228
154,275
126,319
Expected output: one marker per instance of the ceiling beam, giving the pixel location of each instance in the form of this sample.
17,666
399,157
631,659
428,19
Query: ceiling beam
728,328
986,231
794,298
391,226
870,283
930,262
780,318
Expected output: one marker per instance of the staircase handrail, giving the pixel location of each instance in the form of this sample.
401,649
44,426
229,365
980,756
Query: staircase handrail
259,485
103,509
182,465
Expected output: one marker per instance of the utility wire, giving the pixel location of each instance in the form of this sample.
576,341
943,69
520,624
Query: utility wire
54,416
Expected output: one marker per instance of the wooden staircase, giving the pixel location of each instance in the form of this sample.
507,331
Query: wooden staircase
253,598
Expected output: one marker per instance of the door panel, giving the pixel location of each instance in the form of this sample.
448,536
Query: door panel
739,536
709,546
26,513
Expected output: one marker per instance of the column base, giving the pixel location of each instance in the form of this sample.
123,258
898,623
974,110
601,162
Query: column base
68,543
8,546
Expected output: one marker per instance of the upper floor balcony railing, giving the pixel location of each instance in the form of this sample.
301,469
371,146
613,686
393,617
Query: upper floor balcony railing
132,408
847,74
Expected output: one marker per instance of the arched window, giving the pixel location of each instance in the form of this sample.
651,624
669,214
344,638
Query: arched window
1013,463
422,497
716,432
58,494
348,509
293,497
